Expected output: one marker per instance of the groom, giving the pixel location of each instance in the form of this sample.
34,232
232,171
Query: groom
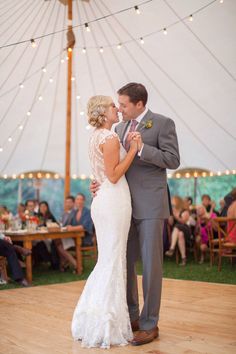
158,150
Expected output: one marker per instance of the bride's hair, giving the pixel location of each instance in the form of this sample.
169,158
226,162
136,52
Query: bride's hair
96,108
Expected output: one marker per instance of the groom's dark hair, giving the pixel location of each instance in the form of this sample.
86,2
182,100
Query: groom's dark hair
136,92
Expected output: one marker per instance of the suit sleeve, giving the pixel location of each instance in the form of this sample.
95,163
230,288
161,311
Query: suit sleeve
166,155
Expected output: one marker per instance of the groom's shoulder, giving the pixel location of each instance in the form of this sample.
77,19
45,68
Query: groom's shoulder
160,117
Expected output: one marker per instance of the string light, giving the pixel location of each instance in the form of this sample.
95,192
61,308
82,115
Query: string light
28,113
44,69
191,18
137,10
33,43
165,31
40,98
83,176
10,139
21,127
87,27
119,46
84,50
21,86
141,40
101,50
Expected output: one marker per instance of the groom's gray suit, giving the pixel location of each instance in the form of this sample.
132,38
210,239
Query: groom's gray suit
148,186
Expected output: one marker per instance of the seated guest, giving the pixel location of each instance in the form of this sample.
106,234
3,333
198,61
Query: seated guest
68,214
181,231
209,204
45,214
42,249
202,229
7,250
231,213
82,220
30,206
20,212
63,244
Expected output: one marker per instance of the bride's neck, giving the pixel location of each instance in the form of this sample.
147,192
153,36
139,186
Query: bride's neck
107,125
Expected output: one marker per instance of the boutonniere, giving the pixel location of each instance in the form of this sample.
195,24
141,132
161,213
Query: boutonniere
148,124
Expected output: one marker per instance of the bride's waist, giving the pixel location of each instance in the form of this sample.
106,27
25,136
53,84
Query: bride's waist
121,184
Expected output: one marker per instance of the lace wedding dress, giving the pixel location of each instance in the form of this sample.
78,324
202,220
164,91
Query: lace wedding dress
101,316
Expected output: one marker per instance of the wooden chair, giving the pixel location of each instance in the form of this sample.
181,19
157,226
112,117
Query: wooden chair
3,268
90,251
222,246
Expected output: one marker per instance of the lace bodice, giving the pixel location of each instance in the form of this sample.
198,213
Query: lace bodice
98,137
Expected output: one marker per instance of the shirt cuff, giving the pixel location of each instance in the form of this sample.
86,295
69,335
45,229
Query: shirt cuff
140,152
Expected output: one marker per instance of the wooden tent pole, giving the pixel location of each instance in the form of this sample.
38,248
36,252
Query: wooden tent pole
69,95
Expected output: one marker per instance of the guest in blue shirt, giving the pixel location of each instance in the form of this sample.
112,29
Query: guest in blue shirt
82,220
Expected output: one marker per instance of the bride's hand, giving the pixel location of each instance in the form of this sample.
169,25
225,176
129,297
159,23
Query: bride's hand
134,144
136,136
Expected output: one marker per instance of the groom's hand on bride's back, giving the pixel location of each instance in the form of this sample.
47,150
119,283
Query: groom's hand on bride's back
94,187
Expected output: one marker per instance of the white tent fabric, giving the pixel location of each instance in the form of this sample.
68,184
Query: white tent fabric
190,74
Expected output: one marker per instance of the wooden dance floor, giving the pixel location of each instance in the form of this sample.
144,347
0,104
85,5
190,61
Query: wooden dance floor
195,318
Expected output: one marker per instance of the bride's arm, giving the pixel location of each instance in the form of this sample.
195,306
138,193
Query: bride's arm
114,168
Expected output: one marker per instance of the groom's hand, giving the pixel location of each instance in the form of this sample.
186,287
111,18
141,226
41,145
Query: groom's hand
137,137
94,187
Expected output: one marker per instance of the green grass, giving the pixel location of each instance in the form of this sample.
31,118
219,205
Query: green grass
43,275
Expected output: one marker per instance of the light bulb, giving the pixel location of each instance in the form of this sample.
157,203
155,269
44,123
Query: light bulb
87,27
165,31
101,50
191,18
84,50
141,40
119,46
33,43
137,10
28,113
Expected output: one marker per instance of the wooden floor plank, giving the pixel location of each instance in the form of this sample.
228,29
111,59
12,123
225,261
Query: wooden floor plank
196,318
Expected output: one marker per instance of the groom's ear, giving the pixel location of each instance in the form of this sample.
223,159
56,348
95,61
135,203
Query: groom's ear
139,104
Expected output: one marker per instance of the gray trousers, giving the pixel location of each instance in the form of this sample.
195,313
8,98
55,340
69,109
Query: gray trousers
145,241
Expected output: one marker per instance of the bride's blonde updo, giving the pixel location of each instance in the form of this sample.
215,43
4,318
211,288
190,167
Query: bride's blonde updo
96,108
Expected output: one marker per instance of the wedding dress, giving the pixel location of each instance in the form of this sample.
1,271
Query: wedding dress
101,317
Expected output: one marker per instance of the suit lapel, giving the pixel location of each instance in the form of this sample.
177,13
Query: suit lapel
141,125
123,131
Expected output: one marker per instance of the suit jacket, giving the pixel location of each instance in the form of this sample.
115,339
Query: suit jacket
146,175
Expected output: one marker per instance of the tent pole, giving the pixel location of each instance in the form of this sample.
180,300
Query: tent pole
68,113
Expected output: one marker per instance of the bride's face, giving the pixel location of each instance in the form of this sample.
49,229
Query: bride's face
112,114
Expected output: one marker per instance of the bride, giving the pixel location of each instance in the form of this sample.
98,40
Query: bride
101,317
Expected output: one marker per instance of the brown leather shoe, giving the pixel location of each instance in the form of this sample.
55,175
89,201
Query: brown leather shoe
144,337
135,325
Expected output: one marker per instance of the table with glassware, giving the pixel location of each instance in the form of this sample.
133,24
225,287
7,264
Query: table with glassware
41,235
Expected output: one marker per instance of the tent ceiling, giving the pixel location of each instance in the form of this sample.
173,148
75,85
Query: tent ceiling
189,73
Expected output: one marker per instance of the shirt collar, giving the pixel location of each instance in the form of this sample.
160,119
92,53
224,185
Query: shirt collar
140,117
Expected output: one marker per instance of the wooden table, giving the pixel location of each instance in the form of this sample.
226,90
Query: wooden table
27,239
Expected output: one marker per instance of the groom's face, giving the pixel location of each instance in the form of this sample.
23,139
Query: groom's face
129,109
